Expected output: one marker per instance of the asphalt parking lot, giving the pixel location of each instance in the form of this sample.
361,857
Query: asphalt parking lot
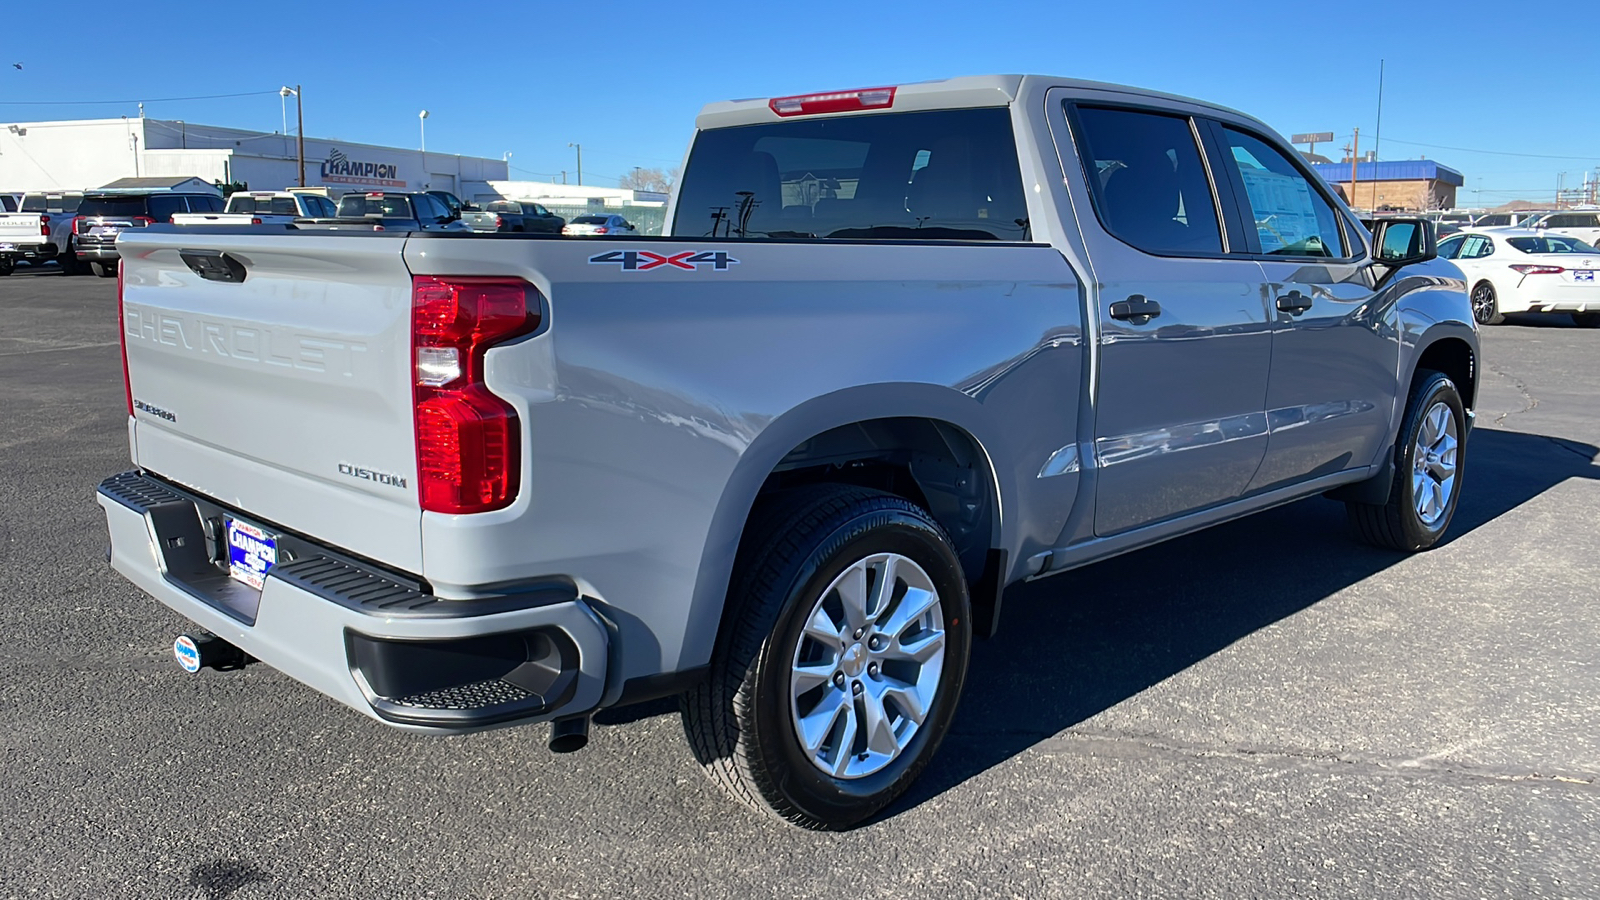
1266,709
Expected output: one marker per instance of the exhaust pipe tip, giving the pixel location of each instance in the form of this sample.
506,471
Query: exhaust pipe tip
569,735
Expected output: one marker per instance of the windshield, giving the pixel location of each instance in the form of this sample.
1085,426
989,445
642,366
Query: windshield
7,204
1492,220
113,206
389,206
1551,243
938,175
591,220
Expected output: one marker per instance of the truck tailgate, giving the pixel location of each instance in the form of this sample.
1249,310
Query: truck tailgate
286,395
21,228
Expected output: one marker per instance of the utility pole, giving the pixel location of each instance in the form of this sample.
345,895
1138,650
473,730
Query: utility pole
580,161
300,131
1355,154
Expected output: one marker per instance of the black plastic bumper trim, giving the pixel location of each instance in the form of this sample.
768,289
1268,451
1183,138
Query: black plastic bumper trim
312,567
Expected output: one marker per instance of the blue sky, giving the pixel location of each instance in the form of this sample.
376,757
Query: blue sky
626,79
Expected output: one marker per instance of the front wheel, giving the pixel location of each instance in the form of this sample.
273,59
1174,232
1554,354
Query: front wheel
1485,305
1429,456
842,655
7,266
1586,319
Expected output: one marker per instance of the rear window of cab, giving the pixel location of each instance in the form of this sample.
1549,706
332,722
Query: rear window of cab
937,175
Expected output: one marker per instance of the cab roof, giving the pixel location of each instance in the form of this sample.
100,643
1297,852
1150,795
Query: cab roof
949,93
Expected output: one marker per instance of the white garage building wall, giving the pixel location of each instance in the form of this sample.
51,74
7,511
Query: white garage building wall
75,155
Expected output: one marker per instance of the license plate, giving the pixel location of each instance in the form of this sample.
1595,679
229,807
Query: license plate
8,246
1583,275
251,552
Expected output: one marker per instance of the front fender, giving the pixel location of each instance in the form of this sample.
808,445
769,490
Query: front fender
1431,305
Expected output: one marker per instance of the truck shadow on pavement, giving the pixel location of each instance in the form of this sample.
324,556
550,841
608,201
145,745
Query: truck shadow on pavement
1076,644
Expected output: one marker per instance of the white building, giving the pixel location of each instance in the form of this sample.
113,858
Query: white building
569,195
89,153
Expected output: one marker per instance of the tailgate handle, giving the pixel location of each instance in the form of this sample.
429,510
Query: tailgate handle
213,265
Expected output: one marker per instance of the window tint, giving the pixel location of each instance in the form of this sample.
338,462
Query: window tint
162,206
1493,219
7,204
51,203
1291,217
205,203
858,177
1149,185
1450,246
112,206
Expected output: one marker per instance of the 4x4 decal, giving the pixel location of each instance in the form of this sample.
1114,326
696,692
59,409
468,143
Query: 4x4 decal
644,260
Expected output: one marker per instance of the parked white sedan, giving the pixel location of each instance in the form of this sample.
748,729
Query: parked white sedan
1512,270
587,225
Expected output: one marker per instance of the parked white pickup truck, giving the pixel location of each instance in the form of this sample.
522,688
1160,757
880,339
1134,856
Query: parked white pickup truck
897,349
263,208
40,232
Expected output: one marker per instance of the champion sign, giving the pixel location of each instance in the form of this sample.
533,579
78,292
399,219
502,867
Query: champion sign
341,169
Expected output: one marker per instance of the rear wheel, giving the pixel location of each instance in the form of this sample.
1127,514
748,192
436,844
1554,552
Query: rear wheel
1429,456
69,262
841,658
1485,305
1587,319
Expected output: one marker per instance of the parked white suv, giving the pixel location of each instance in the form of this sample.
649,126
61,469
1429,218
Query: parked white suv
1583,225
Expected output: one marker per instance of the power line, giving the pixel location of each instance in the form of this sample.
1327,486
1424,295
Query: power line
1490,152
135,100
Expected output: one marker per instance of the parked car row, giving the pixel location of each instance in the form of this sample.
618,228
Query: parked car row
79,230
1527,270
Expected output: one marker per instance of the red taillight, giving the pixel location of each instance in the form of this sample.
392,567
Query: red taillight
1539,270
77,224
256,220
122,337
839,101
601,230
44,226
499,221
143,221
467,438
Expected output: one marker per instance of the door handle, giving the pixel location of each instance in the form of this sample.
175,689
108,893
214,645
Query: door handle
1137,309
1294,303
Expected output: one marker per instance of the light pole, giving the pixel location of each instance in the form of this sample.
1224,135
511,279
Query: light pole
299,123
580,161
422,123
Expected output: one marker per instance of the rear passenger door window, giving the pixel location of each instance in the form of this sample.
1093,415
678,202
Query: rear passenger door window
1147,179
1292,217
162,206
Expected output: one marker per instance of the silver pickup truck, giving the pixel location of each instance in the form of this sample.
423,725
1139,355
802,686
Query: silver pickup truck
897,350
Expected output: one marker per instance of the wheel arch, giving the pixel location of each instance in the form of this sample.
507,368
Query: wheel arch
895,433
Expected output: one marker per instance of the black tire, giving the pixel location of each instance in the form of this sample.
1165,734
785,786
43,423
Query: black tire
1485,304
104,270
740,721
1397,525
7,266
1586,319
69,262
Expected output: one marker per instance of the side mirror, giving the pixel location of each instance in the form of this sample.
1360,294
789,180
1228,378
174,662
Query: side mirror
1400,242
